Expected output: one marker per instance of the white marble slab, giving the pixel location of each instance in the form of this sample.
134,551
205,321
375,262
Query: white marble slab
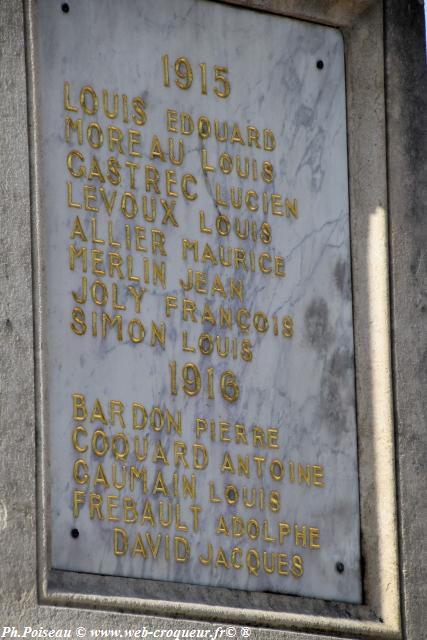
301,386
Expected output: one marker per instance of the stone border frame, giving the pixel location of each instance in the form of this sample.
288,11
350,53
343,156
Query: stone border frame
368,195
361,22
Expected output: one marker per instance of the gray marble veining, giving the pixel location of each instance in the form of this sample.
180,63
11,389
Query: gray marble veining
285,76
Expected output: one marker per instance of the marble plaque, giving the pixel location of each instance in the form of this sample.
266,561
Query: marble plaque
198,337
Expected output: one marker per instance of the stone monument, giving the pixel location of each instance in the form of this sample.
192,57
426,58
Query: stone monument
212,300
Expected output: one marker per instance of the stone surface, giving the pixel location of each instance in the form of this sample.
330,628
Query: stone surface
406,79
25,597
303,385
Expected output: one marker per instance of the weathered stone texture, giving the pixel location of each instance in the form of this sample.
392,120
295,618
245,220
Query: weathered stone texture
17,446
406,102
406,94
